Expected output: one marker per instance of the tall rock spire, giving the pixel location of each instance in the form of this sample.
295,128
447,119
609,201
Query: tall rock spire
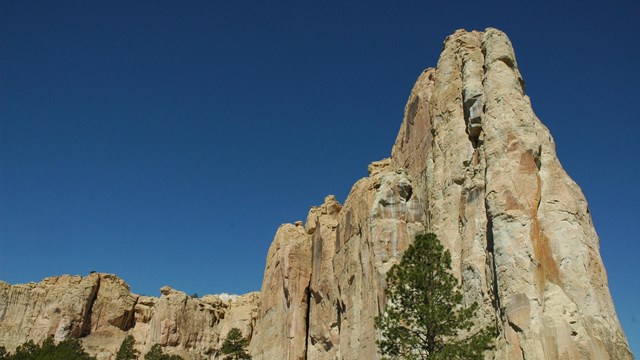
473,164
518,227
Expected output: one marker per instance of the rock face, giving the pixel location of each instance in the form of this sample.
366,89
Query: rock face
519,228
101,310
471,163
57,306
281,331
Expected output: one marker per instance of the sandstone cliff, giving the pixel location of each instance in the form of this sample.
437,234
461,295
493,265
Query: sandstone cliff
471,163
100,309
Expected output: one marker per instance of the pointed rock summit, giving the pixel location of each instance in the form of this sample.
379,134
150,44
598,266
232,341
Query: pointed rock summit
471,163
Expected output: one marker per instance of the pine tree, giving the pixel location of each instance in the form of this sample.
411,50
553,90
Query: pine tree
425,317
127,351
28,350
69,349
235,346
156,353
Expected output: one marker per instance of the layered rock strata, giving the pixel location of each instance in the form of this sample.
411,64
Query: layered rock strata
471,163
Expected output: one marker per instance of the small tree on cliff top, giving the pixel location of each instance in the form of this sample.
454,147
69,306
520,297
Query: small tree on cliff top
424,315
235,346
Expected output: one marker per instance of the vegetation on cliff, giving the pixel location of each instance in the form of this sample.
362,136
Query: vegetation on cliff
69,349
156,353
425,317
127,350
235,346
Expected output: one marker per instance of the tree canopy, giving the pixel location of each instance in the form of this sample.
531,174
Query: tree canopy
127,350
425,317
235,346
156,353
69,349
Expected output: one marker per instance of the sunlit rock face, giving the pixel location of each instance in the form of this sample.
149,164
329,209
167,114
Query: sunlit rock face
57,306
518,227
471,163
100,310
281,330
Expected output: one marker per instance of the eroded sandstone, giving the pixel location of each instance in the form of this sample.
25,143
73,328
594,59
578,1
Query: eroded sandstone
101,310
471,163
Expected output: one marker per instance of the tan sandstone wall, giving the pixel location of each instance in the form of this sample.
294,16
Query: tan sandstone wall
101,310
473,164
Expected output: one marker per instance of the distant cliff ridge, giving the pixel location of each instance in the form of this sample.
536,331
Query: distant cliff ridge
471,163
100,309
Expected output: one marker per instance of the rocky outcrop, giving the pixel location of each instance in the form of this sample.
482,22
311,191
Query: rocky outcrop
57,306
323,329
101,310
471,163
519,228
282,325
323,284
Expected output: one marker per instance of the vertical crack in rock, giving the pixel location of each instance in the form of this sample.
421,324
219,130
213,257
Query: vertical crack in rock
307,318
285,291
88,310
411,114
340,310
129,318
493,273
473,117
524,354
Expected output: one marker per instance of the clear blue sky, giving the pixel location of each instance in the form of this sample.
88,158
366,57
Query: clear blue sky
166,142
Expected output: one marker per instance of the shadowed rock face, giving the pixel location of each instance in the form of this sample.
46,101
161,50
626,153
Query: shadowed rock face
471,163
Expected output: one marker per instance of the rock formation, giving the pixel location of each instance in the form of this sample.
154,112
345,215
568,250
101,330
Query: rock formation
100,309
471,163
474,165
281,332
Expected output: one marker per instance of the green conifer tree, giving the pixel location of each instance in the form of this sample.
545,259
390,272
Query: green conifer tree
235,346
156,353
26,351
127,350
425,317
69,349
